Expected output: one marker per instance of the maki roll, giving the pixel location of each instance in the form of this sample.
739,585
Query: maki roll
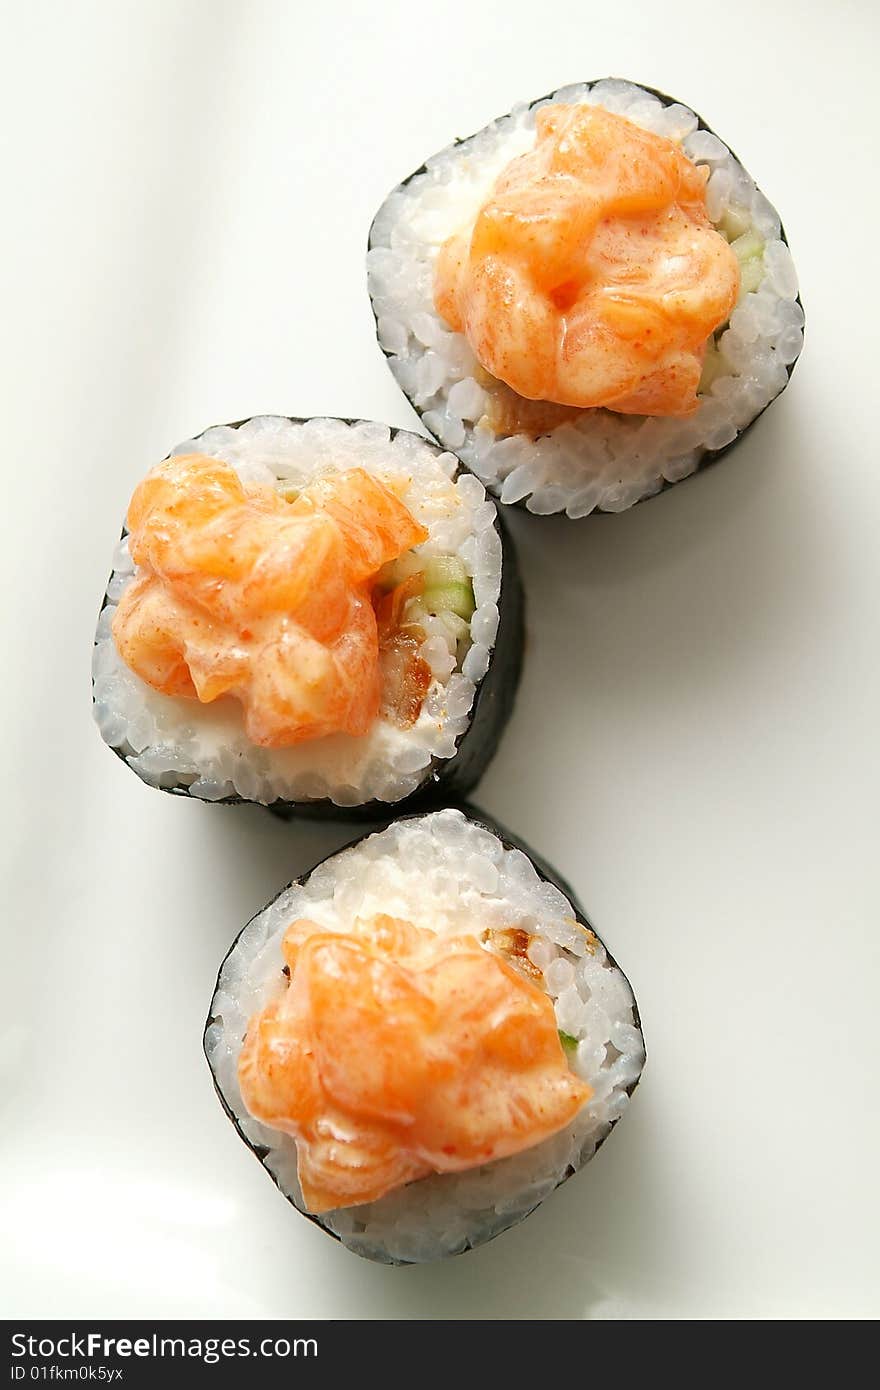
309,613
422,1038
588,300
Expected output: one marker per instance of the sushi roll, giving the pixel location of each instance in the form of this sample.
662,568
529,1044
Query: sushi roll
423,1037
314,615
588,300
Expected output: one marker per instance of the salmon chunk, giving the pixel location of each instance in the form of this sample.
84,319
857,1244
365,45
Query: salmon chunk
394,1053
245,594
592,275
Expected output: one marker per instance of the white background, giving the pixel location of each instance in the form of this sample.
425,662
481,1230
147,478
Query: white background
188,188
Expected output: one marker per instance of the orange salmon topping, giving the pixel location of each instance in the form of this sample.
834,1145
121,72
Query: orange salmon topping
242,593
592,275
395,1053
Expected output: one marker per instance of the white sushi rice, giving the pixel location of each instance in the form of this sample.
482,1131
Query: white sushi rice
598,460
446,873
172,741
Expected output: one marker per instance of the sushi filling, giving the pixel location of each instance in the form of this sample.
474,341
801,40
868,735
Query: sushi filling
332,649
246,593
457,898
394,1052
560,456
592,275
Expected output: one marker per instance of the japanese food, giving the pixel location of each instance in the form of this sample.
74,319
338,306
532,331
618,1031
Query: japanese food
308,611
586,301
422,1038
